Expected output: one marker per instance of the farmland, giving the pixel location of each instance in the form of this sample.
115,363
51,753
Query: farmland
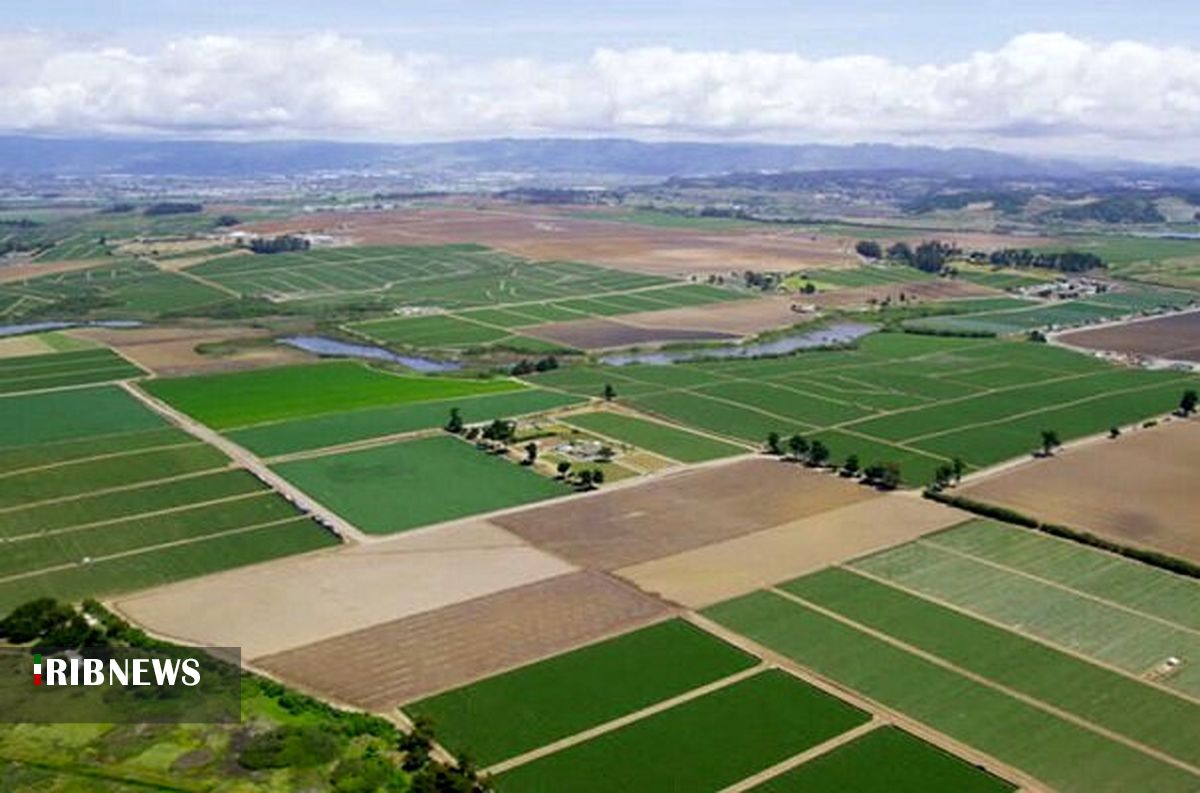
99,495
58,370
404,485
914,400
1173,338
242,399
659,438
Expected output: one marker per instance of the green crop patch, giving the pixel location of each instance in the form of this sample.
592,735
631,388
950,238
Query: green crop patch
434,331
287,437
886,760
1108,632
405,485
1015,732
573,692
127,503
69,415
227,401
57,370
703,744
157,566
112,446
1129,707
668,441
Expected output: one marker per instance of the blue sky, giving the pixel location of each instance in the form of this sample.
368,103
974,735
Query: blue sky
1100,78
913,32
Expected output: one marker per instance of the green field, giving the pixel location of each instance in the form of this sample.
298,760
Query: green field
286,437
676,444
1110,631
916,400
402,486
1129,707
704,744
60,369
886,760
68,415
573,692
1013,731
241,399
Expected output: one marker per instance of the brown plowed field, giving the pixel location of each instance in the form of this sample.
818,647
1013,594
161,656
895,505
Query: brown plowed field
1176,337
1138,489
172,351
724,570
598,334
383,667
681,511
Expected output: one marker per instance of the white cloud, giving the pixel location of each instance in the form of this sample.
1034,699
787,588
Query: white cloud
1039,92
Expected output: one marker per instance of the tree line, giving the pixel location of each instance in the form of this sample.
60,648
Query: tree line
935,256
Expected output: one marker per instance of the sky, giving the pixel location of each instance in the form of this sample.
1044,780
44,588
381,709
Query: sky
1089,79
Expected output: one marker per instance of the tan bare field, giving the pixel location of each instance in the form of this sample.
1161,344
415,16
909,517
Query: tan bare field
1136,489
23,270
679,511
172,350
20,346
383,667
737,317
707,575
546,235
273,607
1175,337
598,334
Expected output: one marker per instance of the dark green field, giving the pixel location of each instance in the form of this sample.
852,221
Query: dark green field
60,369
401,486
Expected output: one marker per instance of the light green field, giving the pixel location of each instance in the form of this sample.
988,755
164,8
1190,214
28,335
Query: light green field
569,693
704,744
227,401
112,446
1039,743
919,401
402,486
676,444
1140,712
68,415
356,425
886,760
1110,633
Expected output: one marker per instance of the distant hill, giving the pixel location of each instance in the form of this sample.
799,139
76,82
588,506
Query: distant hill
91,157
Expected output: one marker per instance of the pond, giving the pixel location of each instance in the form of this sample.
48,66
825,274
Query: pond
42,327
833,335
322,345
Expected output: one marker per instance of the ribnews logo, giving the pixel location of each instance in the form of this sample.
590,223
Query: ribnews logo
76,670
120,685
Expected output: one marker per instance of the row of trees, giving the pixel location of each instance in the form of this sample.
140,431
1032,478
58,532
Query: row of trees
286,243
816,454
934,256
1063,261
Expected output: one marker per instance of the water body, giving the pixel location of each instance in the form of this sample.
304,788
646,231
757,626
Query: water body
842,333
42,327
322,345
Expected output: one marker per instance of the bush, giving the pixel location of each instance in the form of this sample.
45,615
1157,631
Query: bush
290,747
366,775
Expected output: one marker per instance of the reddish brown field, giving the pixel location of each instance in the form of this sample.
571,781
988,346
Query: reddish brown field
382,667
1175,337
1135,490
681,511
172,350
598,334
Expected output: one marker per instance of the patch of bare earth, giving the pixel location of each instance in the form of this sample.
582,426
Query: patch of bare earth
270,608
598,334
1175,337
20,346
680,511
22,270
1136,489
383,667
173,350
707,575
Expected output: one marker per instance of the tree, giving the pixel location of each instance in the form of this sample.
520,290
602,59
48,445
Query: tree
597,477
500,430
797,446
774,444
851,466
455,424
34,620
959,468
585,479
1050,442
531,453
610,393
563,469
943,476
885,476
1188,402
818,454
869,249
1114,431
